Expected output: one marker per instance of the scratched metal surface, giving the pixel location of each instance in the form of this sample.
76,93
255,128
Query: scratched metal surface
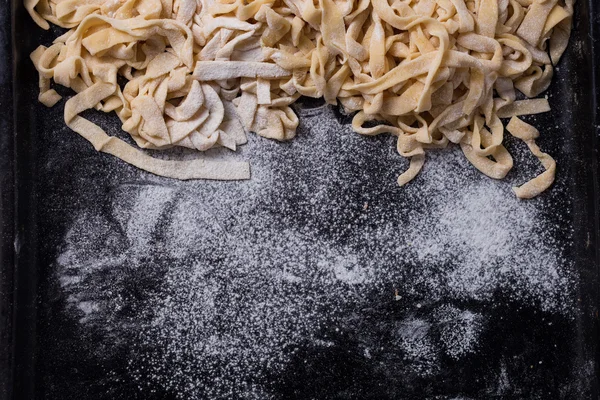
109,302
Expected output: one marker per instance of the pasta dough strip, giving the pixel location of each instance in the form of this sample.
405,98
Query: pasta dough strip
203,73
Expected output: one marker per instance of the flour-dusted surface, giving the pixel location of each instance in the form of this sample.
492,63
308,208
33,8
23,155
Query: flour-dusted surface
285,286
317,279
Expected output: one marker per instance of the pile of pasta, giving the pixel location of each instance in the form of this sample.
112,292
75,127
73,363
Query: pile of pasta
203,73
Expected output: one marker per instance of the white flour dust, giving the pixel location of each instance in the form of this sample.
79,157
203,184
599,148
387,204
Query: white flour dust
416,343
242,275
459,330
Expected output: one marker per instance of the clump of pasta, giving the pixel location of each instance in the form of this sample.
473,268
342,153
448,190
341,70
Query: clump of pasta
203,73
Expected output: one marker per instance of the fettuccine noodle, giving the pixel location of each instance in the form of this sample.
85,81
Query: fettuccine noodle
204,73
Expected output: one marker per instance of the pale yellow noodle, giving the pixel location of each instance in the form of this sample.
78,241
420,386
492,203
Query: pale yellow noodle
203,73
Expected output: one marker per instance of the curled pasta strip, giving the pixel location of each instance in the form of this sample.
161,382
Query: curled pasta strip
203,73
528,134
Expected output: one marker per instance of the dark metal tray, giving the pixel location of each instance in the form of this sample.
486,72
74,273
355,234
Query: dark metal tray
115,284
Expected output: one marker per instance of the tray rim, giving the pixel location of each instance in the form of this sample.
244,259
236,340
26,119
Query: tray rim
7,200
12,225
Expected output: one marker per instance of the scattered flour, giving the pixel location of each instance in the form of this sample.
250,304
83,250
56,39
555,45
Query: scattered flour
459,330
236,277
415,342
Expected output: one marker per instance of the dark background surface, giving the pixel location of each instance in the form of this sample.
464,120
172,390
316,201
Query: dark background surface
7,200
46,354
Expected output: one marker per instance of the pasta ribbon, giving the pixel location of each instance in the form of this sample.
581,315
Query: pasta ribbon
203,73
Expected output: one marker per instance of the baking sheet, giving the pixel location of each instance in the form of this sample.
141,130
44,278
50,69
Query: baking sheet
317,279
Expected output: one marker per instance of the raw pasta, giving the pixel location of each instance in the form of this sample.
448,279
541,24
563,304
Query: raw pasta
203,73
